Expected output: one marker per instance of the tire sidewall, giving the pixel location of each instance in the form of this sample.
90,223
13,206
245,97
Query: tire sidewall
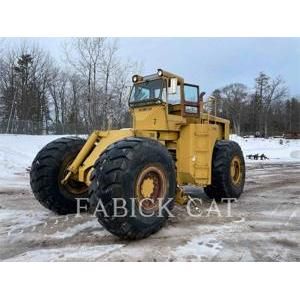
234,190
46,168
137,154
222,185
146,158
55,170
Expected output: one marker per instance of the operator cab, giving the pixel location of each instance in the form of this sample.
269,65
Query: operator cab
148,92
167,89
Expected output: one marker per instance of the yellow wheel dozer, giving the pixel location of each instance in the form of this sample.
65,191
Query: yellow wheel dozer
131,178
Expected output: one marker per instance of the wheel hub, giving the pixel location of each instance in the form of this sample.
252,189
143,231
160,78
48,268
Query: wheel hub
235,170
147,187
71,186
150,188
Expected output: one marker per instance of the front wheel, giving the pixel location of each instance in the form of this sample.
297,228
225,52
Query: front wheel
49,168
139,173
228,171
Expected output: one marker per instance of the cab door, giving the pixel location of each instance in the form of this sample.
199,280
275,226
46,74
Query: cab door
191,101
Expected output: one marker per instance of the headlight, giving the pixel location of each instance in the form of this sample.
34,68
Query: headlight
136,78
160,72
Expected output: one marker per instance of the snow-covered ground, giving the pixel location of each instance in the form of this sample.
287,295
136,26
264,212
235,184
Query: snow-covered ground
18,151
264,226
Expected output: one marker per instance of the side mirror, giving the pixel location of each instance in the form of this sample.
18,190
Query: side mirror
173,86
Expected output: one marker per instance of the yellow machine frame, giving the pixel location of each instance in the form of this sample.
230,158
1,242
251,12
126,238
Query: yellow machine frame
189,137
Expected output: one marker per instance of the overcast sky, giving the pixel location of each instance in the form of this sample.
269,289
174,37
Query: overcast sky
211,62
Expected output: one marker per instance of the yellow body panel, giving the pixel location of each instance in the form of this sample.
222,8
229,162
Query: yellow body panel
156,117
194,153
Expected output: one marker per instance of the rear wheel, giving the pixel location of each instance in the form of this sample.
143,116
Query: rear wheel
140,171
49,168
228,171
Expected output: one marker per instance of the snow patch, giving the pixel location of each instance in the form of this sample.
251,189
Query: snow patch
199,248
76,253
71,231
19,220
295,154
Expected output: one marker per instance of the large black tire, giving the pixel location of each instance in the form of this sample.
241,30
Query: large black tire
116,175
224,185
47,171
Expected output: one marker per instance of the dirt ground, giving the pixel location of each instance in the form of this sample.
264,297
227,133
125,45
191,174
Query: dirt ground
264,226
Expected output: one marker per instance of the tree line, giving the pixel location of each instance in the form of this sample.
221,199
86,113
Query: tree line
264,109
89,90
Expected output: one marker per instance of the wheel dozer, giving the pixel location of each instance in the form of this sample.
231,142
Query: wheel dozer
140,171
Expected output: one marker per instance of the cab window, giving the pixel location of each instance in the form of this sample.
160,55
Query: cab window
191,93
191,99
175,98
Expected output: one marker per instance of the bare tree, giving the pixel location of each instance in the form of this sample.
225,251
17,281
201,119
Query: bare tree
267,92
84,55
105,76
231,103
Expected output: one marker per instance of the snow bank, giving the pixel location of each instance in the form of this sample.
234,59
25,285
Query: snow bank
18,151
276,151
16,155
